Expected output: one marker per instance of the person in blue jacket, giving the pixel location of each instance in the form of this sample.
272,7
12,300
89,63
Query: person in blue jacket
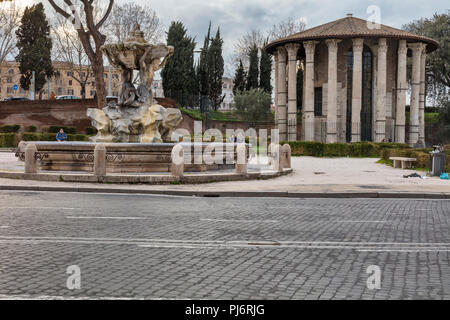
61,136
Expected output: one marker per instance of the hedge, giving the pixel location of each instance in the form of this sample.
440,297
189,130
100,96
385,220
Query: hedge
32,136
10,128
55,129
363,149
8,140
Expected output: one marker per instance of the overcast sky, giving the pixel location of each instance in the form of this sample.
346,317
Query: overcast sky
236,17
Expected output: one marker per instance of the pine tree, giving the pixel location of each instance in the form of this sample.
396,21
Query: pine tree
215,71
35,46
265,71
178,75
253,70
239,79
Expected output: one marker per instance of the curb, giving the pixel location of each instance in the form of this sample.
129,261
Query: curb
237,194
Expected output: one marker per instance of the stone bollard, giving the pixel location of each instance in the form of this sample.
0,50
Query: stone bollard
30,158
177,166
286,156
241,159
100,160
275,155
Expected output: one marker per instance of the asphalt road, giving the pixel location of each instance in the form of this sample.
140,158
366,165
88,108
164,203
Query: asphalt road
162,247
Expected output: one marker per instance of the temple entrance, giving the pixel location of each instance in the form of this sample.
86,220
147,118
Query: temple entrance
366,95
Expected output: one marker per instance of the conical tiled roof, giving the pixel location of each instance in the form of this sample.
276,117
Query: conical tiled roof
351,27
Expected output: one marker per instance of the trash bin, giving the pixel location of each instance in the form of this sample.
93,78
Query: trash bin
437,161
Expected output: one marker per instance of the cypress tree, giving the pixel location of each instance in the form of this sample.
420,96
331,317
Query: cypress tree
253,70
265,71
178,75
239,83
202,70
35,46
215,71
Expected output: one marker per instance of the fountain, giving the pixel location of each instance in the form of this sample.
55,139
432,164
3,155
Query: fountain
135,130
135,117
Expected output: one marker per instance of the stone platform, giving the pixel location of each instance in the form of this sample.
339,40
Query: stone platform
125,157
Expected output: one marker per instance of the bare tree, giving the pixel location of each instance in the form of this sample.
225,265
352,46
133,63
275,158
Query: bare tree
126,16
261,38
10,15
68,48
88,26
286,28
245,43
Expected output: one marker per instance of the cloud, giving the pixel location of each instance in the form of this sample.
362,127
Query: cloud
236,17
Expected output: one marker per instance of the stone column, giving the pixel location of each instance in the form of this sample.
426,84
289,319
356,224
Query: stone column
380,124
358,45
177,165
401,93
30,158
286,156
292,49
100,160
415,93
308,108
332,90
282,92
241,159
422,97
275,57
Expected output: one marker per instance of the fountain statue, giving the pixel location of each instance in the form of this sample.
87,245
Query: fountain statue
135,117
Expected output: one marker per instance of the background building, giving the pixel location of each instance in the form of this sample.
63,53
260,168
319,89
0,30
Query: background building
62,83
227,90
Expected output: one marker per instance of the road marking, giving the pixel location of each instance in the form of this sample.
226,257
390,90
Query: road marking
4,227
231,220
45,297
43,208
238,244
362,221
119,218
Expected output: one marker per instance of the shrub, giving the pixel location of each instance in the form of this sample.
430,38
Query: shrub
8,140
31,129
10,128
90,131
68,130
30,136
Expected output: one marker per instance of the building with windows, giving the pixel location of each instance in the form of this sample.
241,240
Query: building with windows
354,83
64,81
227,91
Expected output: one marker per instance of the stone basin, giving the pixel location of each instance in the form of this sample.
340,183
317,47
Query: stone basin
126,157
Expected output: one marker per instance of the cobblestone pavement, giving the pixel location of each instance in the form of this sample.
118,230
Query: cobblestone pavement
152,247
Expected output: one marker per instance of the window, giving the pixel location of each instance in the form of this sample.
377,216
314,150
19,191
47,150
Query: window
318,102
70,92
59,91
70,82
70,74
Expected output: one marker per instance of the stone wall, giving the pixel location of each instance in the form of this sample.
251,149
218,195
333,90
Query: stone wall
72,113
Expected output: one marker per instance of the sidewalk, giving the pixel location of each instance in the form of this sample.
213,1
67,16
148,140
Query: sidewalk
312,177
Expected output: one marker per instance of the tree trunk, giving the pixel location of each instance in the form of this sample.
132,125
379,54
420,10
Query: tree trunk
100,84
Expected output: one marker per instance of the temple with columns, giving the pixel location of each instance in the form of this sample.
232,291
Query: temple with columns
354,83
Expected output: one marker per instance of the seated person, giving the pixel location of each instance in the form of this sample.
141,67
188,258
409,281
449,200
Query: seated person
61,136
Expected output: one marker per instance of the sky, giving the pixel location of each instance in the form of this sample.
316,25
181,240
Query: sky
236,17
